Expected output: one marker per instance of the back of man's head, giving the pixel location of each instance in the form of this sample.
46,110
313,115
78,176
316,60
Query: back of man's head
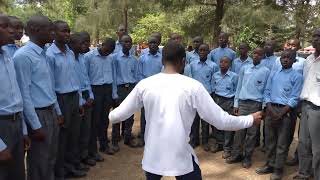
173,53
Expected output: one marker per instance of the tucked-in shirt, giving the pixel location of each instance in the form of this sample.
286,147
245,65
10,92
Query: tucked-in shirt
237,64
149,65
83,77
171,102
62,65
284,87
125,70
99,68
203,72
251,83
216,54
35,80
10,49
311,74
146,50
225,85
269,62
192,56
10,96
297,65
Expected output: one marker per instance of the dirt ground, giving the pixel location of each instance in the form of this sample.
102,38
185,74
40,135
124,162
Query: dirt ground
126,165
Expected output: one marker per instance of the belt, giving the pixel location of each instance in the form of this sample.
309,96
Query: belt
48,108
127,85
249,101
11,117
278,105
68,93
102,85
222,97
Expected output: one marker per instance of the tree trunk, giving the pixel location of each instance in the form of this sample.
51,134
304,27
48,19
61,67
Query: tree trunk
219,12
97,33
125,15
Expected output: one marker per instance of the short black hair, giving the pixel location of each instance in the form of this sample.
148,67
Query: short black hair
173,53
35,22
291,54
205,44
84,34
75,38
57,23
109,42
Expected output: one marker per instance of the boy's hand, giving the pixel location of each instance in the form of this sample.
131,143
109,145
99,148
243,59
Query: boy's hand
26,142
38,135
89,102
5,156
257,118
236,111
60,120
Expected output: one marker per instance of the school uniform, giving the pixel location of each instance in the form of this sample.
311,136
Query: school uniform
11,122
146,51
249,99
278,132
237,64
225,89
67,86
217,53
85,95
171,102
269,61
10,49
118,48
202,72
309,141
100,73
125,71
192,56
148,65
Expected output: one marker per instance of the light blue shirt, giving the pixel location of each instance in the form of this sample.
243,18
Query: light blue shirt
11,49
269,62
297,65
192,56
226,85
203,72
237,64
125,70
146,50
251,83
216,54
35,80
99,68
10,96
149,64
63,68
284,87
83,77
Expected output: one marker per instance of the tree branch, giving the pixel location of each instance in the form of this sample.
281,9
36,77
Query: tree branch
206,3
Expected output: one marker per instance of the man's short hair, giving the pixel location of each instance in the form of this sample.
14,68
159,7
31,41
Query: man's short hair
173,53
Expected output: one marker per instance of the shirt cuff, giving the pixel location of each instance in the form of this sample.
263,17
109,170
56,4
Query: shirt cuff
3,146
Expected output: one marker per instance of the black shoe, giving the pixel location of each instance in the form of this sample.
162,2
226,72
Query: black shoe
108,151
246,163
82,167
277,175
89,161
206,147
217,148
266,169
234,159
141,143
300,177
194,145
131,143
76,174
98,158
226,154
293,162
115,147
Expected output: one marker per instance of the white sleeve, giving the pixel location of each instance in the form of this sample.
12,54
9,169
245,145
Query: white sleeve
209,111
131,104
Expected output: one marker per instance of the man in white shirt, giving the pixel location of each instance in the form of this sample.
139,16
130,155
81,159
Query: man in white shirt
309,141
171,101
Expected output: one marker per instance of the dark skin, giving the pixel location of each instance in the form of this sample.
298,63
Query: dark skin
203,52
86,43
41,33
197,41
286,62
5,36
121,31
269,48
293,44
153,44
158,36
316,42
62,36
105,49
126,44
258,55
17,27
243,51
224,65
176,38
223,40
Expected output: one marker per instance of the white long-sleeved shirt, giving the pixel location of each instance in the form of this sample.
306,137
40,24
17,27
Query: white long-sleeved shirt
171,102
311,87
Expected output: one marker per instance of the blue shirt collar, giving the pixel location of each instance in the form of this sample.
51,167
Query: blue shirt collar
123,55
206,62
286,70
257,66
157,54
35,47
96,52
56,50
227,73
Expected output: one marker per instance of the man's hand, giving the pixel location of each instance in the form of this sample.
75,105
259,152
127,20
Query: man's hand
81,111
38,135
89,103
5,156
257,118
60,120
236,111
26,142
